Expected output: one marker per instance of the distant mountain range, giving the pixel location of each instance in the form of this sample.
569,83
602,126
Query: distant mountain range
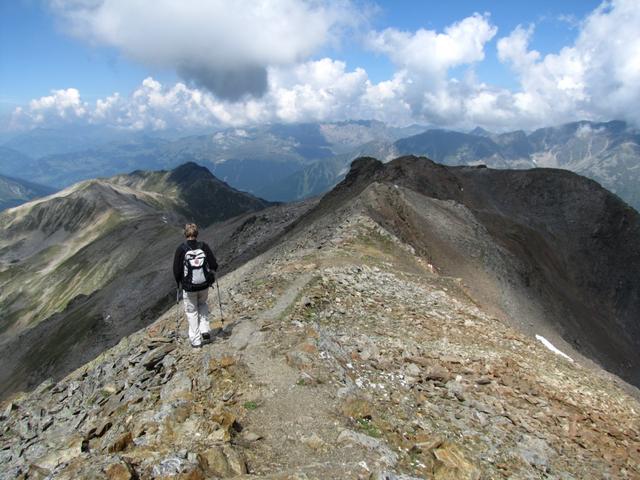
291,162
246,158
606,152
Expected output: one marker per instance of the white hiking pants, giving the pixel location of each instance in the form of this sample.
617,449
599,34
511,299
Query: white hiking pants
197,310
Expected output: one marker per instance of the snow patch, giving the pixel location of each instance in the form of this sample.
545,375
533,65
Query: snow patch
550,346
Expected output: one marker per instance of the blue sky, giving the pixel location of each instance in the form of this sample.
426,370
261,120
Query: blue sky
37,56
550,17
58,46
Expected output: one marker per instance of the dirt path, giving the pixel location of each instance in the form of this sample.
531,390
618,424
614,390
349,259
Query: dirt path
299,424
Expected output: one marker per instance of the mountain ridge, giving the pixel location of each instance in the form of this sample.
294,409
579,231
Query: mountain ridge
607,152
351,349
547,223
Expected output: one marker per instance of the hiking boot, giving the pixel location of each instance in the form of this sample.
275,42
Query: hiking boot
199,345
206,337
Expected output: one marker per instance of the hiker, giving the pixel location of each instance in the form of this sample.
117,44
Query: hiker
193,268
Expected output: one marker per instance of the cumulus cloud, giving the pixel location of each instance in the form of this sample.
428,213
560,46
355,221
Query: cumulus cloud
424,59
312,91
221,46
596,77
435,53
62,106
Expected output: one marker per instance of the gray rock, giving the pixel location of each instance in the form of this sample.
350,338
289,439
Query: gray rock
456,389
387,456
151,359
412,370
387,475
172,465
179,386
534,451
132,395
169,361
204,381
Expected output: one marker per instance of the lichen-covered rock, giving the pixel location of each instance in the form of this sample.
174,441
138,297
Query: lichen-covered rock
451,464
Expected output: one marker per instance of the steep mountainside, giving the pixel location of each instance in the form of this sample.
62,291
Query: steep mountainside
550,249
14,192
348,352
197,193
93,256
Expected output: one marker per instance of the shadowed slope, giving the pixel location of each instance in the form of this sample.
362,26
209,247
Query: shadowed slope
552,250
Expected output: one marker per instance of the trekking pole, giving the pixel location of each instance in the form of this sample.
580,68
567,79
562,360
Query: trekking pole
219,302
177,313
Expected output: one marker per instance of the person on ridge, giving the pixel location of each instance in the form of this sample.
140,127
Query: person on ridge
193,268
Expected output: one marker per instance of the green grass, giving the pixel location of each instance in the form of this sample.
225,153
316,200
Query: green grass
378,241
369,428
251,405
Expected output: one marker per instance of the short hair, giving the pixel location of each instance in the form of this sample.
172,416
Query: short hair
191,230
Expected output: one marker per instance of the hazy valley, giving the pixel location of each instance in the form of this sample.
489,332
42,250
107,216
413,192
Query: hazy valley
293,162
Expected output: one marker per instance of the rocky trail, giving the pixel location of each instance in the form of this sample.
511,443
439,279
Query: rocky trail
344,355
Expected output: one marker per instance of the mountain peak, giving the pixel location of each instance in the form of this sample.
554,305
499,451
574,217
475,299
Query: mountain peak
190,172
480,132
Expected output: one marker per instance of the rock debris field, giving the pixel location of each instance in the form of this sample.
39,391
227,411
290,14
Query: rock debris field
342,355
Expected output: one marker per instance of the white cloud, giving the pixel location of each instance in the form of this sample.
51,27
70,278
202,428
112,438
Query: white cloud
424,59
312,91
62,106
514,48
220,46
317,90
65,102
435,53
596,77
